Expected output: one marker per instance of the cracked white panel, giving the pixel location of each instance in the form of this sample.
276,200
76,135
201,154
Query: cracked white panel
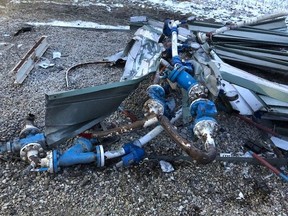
250,98
240,104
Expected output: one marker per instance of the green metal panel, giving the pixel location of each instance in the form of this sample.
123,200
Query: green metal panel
72,112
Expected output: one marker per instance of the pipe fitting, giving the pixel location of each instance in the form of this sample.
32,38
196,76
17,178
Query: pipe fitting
204,130
153,106
47,162
186,81
31,152
29,128
156,103
202,108
80,153
204,126
134,154
17,145
196,154
197,91
183,79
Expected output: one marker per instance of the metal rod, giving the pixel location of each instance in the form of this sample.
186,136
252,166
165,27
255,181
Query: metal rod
147,121
239,24
261,127
82,64
267,164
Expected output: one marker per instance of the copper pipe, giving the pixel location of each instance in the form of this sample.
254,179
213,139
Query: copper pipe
147,121
196,154
261,127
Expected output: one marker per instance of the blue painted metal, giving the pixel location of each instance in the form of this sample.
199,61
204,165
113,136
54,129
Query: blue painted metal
203,108
156,92
80,153
167,28
55,161
183,78
134,154
15,146
98,156
33,138
128,147
176,60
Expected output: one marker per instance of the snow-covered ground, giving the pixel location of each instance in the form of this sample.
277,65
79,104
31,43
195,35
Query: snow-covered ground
225,10
232,10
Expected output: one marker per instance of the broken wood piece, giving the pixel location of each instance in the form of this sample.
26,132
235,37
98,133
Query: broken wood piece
27,63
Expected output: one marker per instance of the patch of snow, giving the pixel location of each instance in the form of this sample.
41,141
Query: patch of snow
221,11
233,10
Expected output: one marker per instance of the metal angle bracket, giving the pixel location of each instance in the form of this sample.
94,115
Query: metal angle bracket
27,63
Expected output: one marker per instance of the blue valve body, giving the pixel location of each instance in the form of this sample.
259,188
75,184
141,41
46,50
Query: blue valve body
183,79
156,92
33,138
18,144
80,153
134,154
203,109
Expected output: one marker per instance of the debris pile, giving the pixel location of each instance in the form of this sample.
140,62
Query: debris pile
179,57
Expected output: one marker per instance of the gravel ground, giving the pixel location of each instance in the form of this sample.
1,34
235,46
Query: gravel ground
214,189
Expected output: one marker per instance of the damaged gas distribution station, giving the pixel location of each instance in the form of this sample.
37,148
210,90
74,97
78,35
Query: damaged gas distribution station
202,63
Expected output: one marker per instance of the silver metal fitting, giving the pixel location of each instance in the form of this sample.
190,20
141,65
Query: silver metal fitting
153,106
201,37
47,162
197,91
31,149
204,130
101,154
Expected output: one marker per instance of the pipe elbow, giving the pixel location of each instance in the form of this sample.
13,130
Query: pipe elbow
201,157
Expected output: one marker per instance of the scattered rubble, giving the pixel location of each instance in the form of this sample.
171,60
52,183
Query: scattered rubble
180,191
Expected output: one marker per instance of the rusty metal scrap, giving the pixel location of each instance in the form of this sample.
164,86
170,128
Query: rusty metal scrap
145,122
197,155
27,63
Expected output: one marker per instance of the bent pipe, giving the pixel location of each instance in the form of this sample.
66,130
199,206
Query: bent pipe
195,153
145,122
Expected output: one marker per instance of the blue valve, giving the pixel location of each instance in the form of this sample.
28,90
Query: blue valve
134,156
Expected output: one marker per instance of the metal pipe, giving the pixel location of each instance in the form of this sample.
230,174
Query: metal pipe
261,127
80,153
205,37
155,132
198,155
267,164
69,158
114,153
147,121
174,39
141,141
